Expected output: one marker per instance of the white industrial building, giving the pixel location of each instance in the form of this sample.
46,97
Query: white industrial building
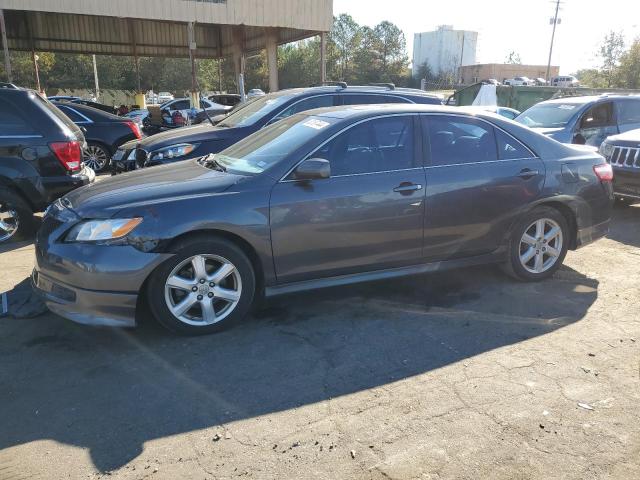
445,50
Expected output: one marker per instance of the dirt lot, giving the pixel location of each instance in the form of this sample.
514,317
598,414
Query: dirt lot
454,375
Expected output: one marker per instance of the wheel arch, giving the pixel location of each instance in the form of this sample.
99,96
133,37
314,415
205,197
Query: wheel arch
567,212
236,239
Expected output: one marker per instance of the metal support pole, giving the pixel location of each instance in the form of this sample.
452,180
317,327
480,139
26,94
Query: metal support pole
323,57
34,57
553,36
192,59
271,44
220,75
7,60
95,78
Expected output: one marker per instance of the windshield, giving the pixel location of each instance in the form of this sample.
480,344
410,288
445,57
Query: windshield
254,110
550,115
269,146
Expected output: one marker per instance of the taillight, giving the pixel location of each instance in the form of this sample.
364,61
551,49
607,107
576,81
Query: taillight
604,172
134,128
68,153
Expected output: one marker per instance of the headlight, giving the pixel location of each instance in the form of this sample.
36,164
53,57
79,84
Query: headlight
173,151
606,149
102,230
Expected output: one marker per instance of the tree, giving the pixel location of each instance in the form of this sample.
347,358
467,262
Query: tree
591,77
611,51
345,37
513,58
628,74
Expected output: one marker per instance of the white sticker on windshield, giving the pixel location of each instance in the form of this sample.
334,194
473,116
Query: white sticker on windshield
315,123
262,164
567,107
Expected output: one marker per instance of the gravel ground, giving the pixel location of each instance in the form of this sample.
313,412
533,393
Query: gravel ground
464,374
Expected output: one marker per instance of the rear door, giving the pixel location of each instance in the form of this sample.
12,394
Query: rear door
628,114
479,178
367,216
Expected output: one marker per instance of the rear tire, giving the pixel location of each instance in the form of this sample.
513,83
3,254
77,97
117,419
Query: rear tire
97,157
207,286
538,245
16,217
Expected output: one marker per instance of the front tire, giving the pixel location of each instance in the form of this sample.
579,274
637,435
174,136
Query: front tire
538,245
207,286
16,217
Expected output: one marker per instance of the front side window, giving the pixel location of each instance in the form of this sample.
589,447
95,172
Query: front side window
377,145
598,116
180,105
457,140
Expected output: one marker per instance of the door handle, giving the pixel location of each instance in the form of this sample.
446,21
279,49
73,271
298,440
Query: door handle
407,188
527,173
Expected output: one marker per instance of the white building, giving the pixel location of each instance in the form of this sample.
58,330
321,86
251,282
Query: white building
444,50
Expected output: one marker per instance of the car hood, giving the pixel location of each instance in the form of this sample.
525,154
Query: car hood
146,187
632,136
195,133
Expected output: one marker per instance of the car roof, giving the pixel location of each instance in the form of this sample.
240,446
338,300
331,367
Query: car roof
582,100
93,113
387,90
364,111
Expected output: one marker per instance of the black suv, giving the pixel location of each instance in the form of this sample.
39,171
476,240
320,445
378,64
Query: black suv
40,158
199,140
623,153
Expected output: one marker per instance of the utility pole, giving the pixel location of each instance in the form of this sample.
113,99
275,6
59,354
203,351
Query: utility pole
35,69
555,20
7,59
95,78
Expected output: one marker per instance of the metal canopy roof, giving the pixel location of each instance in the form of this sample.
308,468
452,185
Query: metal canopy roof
159,27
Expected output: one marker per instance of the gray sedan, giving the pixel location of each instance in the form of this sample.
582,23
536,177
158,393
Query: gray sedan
323,198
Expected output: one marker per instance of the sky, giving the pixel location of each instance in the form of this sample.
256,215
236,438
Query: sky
510,25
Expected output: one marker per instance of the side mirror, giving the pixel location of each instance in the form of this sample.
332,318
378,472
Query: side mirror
313,169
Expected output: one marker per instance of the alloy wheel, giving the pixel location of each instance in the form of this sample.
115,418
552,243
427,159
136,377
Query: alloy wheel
9,222
541,245
203,290
95,157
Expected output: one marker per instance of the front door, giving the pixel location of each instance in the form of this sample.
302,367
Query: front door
367,216
596,124
479,179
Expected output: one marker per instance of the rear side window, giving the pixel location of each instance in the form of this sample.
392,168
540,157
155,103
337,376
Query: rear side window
69,112
377,145
180,105
628,112
457,140
12,124
509,148
367,99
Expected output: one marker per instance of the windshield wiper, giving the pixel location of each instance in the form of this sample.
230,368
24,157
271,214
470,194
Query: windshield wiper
210,162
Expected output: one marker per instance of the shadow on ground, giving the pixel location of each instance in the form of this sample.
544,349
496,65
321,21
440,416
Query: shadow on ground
112,390
625,224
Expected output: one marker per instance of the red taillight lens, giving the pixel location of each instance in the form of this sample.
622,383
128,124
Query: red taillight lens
604,172
135,129
69,154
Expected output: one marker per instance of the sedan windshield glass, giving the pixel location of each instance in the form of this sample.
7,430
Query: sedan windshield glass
254,110
550,115
267,147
